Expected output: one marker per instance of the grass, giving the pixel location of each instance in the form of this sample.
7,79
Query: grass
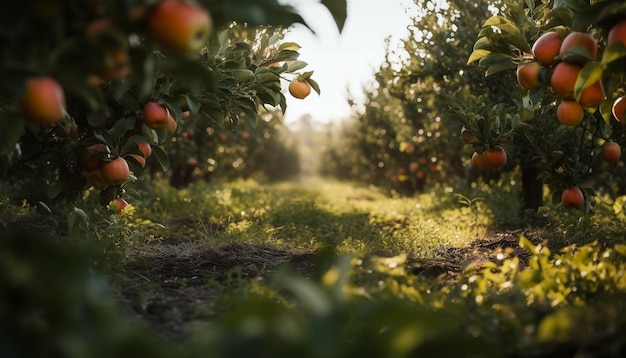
182,259
318,213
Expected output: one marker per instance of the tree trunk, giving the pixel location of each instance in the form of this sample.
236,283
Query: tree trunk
532,188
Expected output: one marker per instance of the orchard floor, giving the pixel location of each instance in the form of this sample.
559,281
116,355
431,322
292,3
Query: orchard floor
172,283
244,266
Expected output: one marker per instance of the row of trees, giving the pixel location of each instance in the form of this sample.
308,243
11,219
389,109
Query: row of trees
534,87
94,92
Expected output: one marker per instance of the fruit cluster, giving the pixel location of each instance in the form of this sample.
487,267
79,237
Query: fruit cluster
557,62
564,59
124,81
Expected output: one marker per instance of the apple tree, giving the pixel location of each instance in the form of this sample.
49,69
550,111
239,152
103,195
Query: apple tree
93,90
569,58
405,132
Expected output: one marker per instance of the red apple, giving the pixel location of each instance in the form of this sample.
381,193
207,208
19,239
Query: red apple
179,26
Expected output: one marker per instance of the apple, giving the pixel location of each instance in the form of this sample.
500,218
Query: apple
564,78
611,152
115,172
144,148
179,26
90,157
547,47
299,89
119,204
155,116
43,101
617,33
528,75
579,39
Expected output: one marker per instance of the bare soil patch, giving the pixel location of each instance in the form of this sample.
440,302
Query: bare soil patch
170,286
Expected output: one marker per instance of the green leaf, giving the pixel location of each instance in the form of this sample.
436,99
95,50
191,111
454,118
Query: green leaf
339,10
296,65
483,43
527,245
500,67
589,75
173,106
577,54
314,85
161,157
289,46
606,111
519,41
121,127
495,21
495,59
305,76
194,106
477,55
287,55
613,52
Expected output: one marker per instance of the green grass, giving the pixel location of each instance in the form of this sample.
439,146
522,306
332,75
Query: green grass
319,213
210,259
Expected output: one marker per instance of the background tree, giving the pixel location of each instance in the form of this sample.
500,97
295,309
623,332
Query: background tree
86,83
406,131
571,75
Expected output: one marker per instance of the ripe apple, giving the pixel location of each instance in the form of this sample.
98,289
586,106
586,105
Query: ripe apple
593,96
171,125
140,159
179,26
115,172
572,198
579,39
478,160
119,204
564,78
90,157
43,101
299,89
528,75
495,158
617,33
155,116
611,152
144,148
570,113
547,47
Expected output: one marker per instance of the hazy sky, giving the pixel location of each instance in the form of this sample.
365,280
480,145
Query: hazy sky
343,60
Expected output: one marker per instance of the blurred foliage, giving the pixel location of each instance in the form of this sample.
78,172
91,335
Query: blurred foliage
405,136
109,67
567,303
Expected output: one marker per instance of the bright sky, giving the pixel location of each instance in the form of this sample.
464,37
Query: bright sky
347,60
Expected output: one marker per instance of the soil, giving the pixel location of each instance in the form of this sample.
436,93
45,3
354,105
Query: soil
168,286
171,286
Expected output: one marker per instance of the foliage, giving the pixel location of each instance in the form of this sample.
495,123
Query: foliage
570,301
109,66
565,156
405,137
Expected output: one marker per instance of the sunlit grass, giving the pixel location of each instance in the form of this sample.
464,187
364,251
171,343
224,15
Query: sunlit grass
318,213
